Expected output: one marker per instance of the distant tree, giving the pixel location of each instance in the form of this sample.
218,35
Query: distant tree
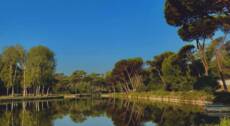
78,76
126,72
61,83
76,81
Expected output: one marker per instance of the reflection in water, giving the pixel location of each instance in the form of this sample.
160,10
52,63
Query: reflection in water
101,112
91,121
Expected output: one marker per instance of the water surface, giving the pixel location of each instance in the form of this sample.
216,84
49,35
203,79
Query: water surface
103,112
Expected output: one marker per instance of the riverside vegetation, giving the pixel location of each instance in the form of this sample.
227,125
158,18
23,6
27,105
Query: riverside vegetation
197,66
32,72
194,72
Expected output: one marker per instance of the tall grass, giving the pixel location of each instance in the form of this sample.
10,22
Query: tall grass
183,95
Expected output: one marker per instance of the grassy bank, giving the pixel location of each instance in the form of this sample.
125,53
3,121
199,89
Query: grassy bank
43,97
19,98
193,97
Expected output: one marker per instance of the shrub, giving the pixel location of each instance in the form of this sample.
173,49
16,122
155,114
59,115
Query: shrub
206,83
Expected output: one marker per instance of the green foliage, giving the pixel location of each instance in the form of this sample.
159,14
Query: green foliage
207,83
11,66
155,67
40,66
61,83
153,86
22,70
126,70
197,19
175,78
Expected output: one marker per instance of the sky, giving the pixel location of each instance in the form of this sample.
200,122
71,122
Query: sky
90,35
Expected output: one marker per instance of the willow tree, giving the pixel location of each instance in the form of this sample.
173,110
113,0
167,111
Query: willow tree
10,67
198,20
40,69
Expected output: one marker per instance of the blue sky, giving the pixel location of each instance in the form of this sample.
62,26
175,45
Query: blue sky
88,34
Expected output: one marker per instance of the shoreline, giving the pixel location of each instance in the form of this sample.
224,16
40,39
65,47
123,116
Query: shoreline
22,98
170,98
41,97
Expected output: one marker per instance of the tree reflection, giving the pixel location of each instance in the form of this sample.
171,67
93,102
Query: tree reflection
122,113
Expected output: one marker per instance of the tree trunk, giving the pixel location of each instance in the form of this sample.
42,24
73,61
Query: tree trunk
24,81
24,91
130,80
7,91
224,82
38,91
47,93
201,50
12,91
11,78
161,77
14,79
219,64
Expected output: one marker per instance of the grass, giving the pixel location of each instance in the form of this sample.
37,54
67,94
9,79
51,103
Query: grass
6,98
191,95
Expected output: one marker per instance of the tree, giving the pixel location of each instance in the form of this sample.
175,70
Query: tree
126,72
78,76
219,56
175,77
61,83
22,58
11,58
40,68
198,20
76,79
155,65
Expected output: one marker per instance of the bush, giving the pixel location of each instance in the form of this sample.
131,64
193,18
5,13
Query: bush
176,79
206,83
154,87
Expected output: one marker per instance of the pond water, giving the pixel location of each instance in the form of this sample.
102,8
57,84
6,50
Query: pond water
103,112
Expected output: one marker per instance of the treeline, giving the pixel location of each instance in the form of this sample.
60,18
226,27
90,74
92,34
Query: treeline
199,22
26,72
181,71
33,72
196,66
79,82
169,71
199,65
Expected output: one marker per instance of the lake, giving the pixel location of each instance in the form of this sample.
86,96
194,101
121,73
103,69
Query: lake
103,112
